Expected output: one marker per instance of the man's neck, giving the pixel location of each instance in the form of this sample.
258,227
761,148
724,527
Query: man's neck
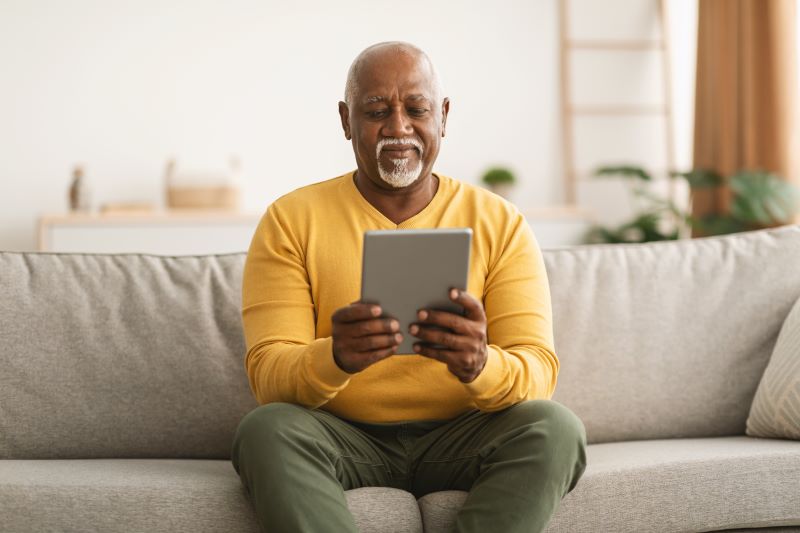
401,204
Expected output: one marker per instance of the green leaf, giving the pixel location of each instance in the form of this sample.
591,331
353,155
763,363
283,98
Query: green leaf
776,209
762,198
719,225
497,175
624,171
699,178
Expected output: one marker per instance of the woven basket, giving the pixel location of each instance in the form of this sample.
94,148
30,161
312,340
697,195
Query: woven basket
219,197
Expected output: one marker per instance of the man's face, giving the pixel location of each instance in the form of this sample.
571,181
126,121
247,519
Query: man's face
393,120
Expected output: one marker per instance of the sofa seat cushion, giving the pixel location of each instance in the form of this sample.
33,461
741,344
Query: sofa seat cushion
159,495
384,510
118,495
669,485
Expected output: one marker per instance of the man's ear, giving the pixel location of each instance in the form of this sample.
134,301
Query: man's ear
344,114
445,111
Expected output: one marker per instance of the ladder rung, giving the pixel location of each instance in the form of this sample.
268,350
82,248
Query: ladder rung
616,45
619,110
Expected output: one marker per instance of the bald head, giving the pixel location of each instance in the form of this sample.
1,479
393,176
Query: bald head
394,114
379,52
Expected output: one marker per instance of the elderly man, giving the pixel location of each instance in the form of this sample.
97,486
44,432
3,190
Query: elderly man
341,408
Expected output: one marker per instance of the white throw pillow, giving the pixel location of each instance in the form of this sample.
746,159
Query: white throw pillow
775,412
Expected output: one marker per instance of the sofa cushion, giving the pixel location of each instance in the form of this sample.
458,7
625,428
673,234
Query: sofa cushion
656,340
384,510
669,339
669,485
776,407
123,495
160,495
120,355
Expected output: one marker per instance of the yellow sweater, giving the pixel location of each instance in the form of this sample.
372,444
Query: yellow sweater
305,262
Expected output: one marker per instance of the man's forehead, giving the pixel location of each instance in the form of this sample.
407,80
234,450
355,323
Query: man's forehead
392,70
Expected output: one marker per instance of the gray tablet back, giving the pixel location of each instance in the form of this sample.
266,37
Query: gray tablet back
407,270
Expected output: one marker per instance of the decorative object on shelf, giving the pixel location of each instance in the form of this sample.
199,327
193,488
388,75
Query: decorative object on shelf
203,189
499,180
79,197
759,200
127,208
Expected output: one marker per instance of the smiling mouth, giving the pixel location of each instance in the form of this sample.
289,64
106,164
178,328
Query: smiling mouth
399,150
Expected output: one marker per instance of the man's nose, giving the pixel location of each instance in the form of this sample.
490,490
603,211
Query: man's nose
397,124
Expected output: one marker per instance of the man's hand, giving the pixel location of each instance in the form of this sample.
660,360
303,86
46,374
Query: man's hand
361,338
464,349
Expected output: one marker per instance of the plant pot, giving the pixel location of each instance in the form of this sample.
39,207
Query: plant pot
502,189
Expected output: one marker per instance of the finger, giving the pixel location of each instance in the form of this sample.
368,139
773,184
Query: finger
455,365
445,356
437,336
472,307
379,355
362,360
355,312
375,342
444,319
364,328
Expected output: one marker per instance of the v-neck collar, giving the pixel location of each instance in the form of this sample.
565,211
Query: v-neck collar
385,221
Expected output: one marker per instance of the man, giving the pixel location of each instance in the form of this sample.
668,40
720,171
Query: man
341,409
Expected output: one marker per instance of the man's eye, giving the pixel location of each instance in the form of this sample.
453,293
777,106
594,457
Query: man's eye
376,114
417,111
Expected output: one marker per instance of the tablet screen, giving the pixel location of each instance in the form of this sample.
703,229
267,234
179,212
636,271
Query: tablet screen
407,270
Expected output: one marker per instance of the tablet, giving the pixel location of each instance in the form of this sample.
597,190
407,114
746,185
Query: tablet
404,271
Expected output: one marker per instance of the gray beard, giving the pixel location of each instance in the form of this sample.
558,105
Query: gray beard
401,176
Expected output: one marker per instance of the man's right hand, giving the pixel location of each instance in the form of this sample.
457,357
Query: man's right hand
361,338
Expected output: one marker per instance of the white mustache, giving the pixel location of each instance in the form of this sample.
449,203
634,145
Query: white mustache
394,140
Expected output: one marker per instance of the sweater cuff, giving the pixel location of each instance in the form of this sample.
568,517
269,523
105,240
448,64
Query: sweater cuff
324,367
486,383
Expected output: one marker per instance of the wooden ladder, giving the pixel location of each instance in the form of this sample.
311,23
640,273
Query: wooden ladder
569,111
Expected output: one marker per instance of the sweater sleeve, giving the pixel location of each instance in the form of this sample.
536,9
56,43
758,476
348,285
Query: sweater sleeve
521,363
284,362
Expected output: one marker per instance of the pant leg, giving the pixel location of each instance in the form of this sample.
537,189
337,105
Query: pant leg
517,465
296,464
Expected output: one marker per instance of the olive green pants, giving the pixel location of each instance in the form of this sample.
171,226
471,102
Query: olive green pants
517,464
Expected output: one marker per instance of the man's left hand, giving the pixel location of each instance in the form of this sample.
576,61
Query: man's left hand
463,340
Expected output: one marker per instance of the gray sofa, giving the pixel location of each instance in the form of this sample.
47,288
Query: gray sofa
122,381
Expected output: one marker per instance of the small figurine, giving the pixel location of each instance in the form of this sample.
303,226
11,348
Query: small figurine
78,191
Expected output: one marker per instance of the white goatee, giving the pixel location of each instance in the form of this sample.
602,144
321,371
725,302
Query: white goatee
401,175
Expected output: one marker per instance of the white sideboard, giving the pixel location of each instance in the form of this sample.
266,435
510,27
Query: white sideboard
197,232
558,226
173,232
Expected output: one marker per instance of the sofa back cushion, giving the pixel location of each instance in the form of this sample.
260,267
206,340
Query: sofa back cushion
142,356
120,355
670,339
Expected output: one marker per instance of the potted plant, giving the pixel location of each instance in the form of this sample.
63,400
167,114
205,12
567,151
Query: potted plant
656,219
758,200
499,180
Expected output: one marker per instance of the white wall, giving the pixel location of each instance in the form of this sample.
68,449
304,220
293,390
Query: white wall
621,78
120,85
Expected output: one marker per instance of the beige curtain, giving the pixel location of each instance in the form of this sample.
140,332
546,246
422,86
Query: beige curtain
746,94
